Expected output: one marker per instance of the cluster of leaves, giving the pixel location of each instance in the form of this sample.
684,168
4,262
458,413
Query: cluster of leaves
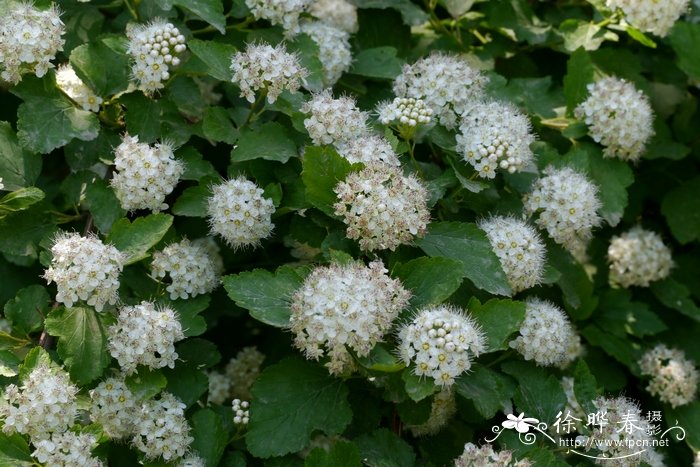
54,158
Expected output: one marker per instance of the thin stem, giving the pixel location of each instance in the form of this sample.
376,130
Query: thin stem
558,123
252,115
132,9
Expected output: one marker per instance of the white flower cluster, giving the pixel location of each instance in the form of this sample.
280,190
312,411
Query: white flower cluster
241,412
567,206
267,68
113,407
144,174
144,334
191,460
239,212
333,121
485,456
192,270
572,404
283,12
638,257
618,116
219,387
67,449
674,378
381,207
243,370
162,429
338,13
448,84
351,305
84,268
626,453
45,403
441,341
29,40
651,16
76,89
368,148
443,408
519,249
2,185
334,49
495,135
546,335
405,111
154,47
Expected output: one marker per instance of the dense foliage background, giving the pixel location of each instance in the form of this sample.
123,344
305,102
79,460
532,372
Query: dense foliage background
55,163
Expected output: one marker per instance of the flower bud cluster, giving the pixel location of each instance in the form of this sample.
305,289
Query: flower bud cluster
243,370
651,15
144,174
162,429
381,207
76,89
495,135
67,449
267,68
338,13
519,249
638,257
154,48
566,204
618,116
441,341
334,49
30,40
448,84
239,212
485,456
674,378
546,335
144,334
84,268
352,305
43,404
405,111
241,413
191,460
191,269
333,121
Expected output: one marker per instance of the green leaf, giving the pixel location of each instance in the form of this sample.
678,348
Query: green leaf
186,382
382,448
379,62
264,294
14,451
418,387
217,126
146,383
18,167
210,437
103,205
681,208
490,391
9,364
45,124
685,40
675,295
188,314
539,393
154,120
468,244
381,359
292,400
323,169
271,141
410,12
640,37
34,358
688,418
573,282
341,454
579,73
21,232
431,280
135,239
498,320
196,167
192,202
617,347
585,386
198,352
27,310
581,35
82,343
105,71
621,316
309,54
216,55
20,200
211,11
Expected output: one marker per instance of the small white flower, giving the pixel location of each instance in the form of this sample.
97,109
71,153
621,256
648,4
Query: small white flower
654,16
338,13
618,116
638,257
191,460
239,212
154,48
368,148
113,407
241,412
263,67
333,121
674,378
334,49
144,174
280,12
86,269
485,456
441,341
345,306
67,449
162,429
76,89
381,207
191,269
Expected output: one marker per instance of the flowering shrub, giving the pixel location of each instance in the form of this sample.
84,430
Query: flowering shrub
349,232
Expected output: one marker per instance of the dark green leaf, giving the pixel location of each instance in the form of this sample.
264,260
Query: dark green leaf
685,40
146,383
382,448
681,208
199,352
490,391
323,170
431,280
539,394
188,314
216,55
186,382
20,200
418,387
585,387
675,295
105,71
14,451
379,62
271,141
153,120
192,202
135,239
211,11
18,167
498,319
210,437
103,205
579,73
381,359
341,454
217,126
27,310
